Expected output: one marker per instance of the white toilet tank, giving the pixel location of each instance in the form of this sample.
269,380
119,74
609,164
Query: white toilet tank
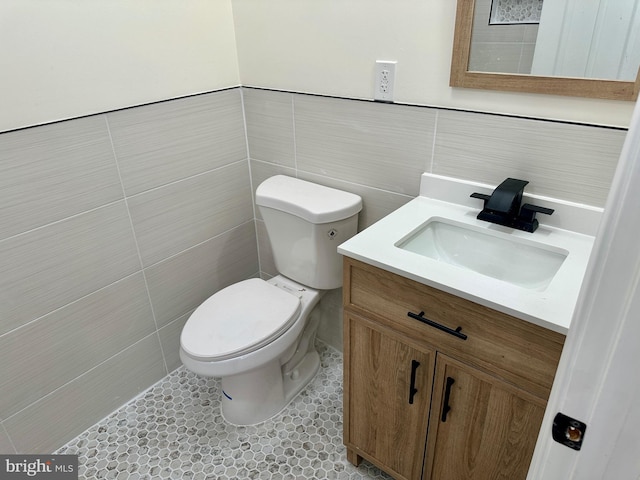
306,222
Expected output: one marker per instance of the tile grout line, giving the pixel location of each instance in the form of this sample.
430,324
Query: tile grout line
13,330
253,203
293,128
83,374
4,429
135,239
108,204
433,143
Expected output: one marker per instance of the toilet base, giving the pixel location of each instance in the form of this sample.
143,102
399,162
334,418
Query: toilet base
256,396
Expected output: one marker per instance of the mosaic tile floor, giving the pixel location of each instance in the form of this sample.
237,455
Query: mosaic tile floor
175,430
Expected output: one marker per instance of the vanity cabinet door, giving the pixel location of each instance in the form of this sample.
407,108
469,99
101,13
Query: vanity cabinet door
388,382
481,427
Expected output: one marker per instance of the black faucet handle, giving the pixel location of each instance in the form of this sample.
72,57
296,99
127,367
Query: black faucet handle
528,211
481,196
527,220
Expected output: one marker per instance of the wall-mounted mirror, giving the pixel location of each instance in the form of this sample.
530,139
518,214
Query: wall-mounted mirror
561,47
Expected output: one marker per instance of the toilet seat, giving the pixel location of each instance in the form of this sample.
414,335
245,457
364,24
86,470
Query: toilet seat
238,319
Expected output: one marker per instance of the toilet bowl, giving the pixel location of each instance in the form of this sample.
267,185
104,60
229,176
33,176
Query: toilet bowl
259,336
246,334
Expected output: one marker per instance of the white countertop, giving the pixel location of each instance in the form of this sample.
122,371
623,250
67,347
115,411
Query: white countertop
551,307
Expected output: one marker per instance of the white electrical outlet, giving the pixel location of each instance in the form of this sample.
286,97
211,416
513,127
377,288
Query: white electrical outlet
385,79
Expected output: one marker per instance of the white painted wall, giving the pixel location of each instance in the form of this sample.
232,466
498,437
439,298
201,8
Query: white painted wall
330,47
66,58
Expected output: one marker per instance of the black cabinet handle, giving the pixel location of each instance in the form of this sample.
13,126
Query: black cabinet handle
412,388
447,394
450,331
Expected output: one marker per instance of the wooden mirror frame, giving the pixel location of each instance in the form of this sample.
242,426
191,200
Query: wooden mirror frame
575,87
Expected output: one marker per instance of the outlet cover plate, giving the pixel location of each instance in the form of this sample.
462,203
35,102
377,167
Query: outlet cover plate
385,74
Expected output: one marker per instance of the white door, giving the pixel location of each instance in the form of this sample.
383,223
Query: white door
588,38
598,379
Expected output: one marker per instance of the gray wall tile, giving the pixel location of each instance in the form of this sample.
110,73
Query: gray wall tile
183,282
571,162
175,217
6,446
47,268
51,172
72,293
500,48
499,57
45,354
267,264
269,117
170,340
330,329
54,419
379,145
161,143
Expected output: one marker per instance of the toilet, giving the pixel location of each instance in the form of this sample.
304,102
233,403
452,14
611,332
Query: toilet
259,336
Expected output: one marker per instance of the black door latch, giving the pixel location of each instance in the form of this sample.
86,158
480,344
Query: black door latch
568,431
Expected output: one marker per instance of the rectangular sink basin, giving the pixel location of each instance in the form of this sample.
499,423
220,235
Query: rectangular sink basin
515,260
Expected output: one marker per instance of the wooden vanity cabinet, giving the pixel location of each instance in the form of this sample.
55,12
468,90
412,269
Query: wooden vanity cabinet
387,414
422,402
490,430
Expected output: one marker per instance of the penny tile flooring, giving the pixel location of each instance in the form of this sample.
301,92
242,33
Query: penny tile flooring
175,430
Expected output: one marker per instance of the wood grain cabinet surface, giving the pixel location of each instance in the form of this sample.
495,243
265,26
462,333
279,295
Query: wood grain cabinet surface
462,399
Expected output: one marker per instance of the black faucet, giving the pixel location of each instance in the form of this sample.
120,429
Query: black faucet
504,206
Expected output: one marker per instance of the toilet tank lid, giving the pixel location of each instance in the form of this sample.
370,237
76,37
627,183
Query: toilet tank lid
312,202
